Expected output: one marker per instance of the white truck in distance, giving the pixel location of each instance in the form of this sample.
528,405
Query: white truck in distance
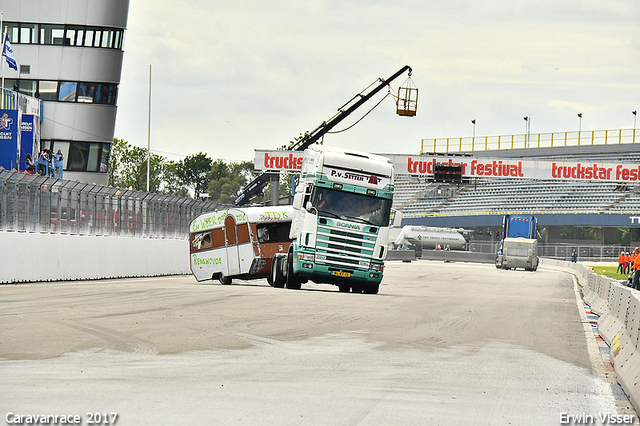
340,224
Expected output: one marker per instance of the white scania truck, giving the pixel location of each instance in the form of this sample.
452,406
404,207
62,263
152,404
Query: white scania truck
340,225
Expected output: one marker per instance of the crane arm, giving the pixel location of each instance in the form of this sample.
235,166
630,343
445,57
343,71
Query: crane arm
257,184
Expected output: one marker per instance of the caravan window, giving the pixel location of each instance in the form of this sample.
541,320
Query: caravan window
201,241
207,240
273,232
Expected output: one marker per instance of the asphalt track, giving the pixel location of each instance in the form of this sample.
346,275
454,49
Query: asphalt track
442,344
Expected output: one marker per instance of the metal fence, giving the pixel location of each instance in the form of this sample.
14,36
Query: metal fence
593,253
34,203
538,140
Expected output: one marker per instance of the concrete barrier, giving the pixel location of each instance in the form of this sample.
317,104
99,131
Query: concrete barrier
458,256
30,257
403,255
619,324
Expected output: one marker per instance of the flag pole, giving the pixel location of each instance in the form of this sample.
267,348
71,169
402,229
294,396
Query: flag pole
4,35
149,135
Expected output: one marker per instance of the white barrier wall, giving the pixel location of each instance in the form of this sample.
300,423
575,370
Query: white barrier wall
619,322
26,257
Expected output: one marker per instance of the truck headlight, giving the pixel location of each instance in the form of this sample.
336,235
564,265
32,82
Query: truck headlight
376,266
309,257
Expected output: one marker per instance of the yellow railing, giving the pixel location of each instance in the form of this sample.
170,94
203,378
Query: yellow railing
536,140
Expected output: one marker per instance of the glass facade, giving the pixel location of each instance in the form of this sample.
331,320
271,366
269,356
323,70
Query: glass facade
81,156
66,91
65,35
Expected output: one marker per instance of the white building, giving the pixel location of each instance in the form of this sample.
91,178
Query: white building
69,54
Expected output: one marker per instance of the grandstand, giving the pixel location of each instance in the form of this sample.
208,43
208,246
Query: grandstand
480,204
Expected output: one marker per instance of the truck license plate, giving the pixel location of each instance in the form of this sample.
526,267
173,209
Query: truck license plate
341,274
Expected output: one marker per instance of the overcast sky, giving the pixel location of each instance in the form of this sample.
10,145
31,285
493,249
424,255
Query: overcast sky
229,77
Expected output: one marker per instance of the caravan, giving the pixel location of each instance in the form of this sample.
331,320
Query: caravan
238,242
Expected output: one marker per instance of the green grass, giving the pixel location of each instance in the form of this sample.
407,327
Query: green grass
609,271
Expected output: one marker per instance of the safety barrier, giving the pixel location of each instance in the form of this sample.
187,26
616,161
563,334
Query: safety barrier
619,322
31,257
538,140
41,204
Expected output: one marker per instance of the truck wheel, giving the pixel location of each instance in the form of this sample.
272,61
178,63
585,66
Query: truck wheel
276,272
371,289
344,288
224,280
292,281
356,288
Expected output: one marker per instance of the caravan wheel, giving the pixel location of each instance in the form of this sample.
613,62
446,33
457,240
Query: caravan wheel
224,280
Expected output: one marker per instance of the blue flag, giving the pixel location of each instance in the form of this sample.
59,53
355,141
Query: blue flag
7,52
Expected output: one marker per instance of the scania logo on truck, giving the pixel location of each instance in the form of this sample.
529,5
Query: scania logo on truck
348,225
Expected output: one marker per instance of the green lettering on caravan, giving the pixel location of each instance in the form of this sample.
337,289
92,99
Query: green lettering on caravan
276,215
206,261
210,221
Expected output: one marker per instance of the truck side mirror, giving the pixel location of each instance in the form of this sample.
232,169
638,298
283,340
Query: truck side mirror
309,207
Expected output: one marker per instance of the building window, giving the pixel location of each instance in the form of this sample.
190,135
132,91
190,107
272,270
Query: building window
104,158
86,92
64,149
48,90
67,91
106,94
29,33
93,161
75,35
13,30
27,87
52,34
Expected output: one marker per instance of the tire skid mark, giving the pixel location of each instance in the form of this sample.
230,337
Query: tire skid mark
115,339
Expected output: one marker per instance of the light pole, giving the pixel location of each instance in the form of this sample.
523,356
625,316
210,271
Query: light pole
527,130
474,127
635,115
579,127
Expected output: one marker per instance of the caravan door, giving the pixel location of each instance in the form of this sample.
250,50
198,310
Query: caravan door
233,257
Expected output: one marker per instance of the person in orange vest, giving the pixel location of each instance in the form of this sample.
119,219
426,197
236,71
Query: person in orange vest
627,263
636,268
621,259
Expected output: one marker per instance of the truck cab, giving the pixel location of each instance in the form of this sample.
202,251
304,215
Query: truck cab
340,225
519,246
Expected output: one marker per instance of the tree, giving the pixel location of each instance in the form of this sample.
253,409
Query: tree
173,185
227,180
193,171
128,167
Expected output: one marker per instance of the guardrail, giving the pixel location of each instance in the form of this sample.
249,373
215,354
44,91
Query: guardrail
41,204
619,322
537,140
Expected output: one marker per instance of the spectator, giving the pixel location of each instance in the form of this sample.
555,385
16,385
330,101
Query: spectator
574,257
57,164
627,263
31,167
636,268
43,163
621,260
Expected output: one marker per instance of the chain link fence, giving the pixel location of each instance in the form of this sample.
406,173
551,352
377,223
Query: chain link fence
34,203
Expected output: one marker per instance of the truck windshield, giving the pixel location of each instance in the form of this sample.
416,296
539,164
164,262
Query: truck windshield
350,206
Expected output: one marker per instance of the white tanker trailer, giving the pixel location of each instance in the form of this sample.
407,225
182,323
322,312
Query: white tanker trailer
428,238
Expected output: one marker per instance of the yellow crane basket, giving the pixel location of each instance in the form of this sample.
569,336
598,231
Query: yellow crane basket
407,101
